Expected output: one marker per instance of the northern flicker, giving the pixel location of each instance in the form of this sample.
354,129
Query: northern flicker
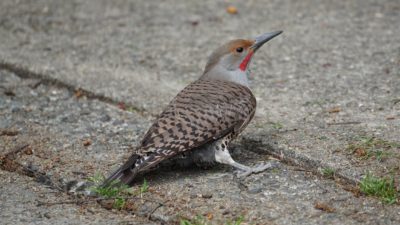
199,123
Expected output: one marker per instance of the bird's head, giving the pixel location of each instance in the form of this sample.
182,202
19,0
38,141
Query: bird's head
231,61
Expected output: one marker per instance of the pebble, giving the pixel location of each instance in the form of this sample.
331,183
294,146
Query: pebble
105,118
207,195
255,190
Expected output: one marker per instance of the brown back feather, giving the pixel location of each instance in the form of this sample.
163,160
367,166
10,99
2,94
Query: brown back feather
204,111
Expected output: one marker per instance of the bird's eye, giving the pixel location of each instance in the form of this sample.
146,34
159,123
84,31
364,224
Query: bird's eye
240,49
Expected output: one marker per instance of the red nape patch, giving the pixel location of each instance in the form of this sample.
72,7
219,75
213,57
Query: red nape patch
246,61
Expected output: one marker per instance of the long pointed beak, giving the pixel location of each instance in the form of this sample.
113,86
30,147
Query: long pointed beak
264,38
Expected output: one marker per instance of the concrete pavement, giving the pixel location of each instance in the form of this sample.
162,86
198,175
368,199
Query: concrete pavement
329,83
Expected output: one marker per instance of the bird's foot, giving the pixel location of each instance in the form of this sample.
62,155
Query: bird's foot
256,169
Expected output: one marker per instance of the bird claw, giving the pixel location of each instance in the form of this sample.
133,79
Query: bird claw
256,169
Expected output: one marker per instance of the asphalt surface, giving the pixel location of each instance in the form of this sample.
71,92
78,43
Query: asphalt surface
326,86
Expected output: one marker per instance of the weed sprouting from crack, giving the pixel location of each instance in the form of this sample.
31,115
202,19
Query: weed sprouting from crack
115,190
237,221
119,203
144,188
383,188
198,220
328,173
372,147
277,125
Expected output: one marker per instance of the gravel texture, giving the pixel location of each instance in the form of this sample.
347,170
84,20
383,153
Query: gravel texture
331,78
69,137
326,87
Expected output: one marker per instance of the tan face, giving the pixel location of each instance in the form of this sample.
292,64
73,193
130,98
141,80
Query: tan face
237,54
239,47
232,54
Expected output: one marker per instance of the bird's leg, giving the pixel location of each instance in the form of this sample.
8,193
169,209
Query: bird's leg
222,156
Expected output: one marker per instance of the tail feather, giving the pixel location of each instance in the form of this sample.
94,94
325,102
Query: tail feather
125,174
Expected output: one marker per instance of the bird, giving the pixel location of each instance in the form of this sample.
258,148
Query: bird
200,122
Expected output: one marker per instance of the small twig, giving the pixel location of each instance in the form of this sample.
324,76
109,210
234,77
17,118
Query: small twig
287,130
58,203
151,200
240,184
132,197
301,169
9,93
16,150
344,123
6,132
35,85
86,200
155,208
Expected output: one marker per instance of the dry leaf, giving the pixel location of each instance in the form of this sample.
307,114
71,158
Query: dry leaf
232,10
87,142
121,106
360,152
29,151
78,93
8,132
334,110
323,207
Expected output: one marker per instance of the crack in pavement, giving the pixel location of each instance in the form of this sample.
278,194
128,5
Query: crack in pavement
287,156
46,106
27,74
